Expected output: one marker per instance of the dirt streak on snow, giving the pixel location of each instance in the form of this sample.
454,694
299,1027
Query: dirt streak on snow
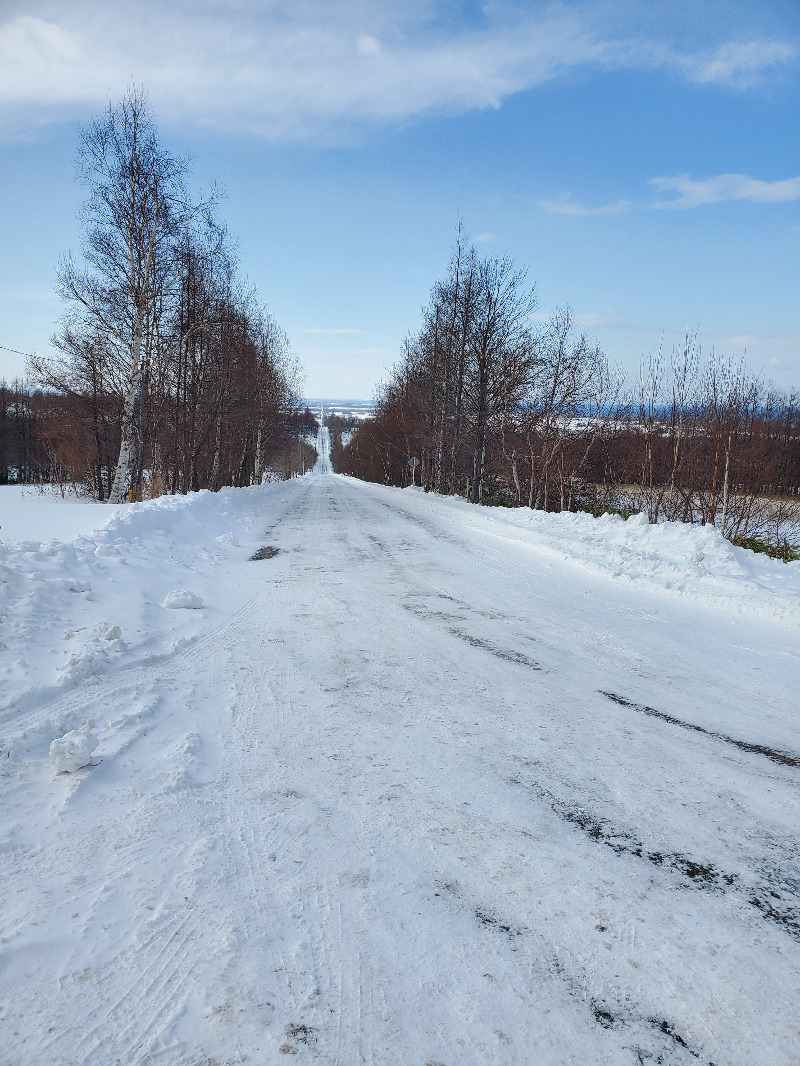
417,784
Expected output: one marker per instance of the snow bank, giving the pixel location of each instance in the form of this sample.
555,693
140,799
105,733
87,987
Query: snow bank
692,562
63,602
74,750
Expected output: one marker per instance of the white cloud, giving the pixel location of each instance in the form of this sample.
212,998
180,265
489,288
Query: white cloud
567,206
724,187
35,57
776,352
311,69
740,63
484,238
285,70
689,193
42,46
368,46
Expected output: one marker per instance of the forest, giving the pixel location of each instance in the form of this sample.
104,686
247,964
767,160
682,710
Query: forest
503,409
170,375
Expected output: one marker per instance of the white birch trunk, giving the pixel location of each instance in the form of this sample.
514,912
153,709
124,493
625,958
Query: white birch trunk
122,473
257,463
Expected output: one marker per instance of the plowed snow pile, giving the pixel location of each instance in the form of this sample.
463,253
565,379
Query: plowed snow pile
694,562
71,610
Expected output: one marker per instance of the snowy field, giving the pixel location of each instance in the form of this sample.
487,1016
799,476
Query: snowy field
421,784
27,514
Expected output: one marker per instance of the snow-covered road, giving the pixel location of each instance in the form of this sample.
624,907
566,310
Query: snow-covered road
425,795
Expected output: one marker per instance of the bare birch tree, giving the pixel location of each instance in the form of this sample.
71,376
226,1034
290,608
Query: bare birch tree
132,220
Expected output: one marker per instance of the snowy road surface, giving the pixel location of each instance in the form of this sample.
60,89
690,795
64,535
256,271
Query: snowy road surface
423,794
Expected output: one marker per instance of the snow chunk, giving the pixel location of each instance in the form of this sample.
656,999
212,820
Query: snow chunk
639,519
114,633
182,598
229,540
74,750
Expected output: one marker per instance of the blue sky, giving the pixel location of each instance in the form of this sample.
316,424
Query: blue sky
642,159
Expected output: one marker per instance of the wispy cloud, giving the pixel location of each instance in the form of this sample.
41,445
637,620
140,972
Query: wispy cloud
786,342
723,187
310,69
776,352
567,206
483,238
690,192
300,70
367,45
740,63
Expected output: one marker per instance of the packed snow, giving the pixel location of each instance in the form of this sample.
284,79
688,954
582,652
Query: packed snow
414,782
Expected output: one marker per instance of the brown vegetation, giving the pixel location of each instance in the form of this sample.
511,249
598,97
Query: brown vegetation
501,412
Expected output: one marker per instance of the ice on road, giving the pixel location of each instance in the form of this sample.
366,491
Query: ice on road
423,793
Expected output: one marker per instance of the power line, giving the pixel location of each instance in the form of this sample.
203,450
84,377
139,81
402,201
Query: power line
14,350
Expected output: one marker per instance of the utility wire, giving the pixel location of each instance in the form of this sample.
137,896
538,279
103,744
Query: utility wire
14,350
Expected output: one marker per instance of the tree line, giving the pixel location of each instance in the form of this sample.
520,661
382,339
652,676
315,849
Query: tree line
170,376
49,439
502,409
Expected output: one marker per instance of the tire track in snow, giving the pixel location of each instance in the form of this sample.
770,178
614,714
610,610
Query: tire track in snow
259,851
700,874
783,758
627,1017
144,990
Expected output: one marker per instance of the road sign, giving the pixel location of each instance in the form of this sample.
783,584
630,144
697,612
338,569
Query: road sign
413,463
